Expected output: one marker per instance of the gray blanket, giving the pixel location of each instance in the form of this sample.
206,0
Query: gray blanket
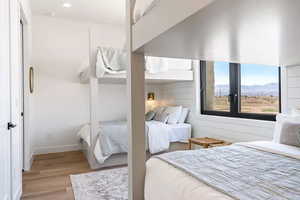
241,172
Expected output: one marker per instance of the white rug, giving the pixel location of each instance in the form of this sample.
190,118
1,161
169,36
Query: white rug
109,184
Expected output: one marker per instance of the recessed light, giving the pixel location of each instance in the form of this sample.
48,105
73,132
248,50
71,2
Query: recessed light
67,5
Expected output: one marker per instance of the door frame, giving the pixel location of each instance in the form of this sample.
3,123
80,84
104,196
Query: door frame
27,152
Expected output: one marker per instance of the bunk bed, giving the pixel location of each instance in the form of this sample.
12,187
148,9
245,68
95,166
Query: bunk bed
239,31
108,65
111,68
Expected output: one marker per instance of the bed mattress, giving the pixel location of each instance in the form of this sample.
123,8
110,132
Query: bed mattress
164,181
112,137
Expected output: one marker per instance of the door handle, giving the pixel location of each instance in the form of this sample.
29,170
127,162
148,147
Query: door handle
10,126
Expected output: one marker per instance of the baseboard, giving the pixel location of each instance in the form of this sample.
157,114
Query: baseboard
56,149
31,160
28,164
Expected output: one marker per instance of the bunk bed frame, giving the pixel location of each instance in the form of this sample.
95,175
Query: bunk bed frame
94,84
217,30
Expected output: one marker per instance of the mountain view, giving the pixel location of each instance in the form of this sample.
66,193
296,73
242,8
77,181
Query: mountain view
270,89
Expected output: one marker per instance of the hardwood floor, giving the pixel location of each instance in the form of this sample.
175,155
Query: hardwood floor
50,176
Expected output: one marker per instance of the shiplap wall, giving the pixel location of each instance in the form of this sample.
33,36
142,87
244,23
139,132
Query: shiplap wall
293,87
230,129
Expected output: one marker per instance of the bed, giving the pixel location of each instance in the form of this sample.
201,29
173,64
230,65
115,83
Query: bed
112,140
255,170
111,66
213,30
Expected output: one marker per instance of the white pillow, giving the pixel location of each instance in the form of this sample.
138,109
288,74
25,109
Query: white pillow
290,133
174,113
164,117
280,119
158,112
149,115
183,115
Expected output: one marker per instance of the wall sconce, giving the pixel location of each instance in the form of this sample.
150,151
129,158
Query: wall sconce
151,96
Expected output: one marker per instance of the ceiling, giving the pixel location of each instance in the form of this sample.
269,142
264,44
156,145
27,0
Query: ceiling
99,11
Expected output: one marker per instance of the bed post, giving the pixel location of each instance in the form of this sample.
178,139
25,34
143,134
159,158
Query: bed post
136,114
93,92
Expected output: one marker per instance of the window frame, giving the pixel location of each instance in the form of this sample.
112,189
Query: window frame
235,97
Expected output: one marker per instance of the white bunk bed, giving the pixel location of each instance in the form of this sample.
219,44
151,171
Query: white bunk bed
108,65
242,31
172,70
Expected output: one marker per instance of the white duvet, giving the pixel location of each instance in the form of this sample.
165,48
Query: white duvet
113,137
163,181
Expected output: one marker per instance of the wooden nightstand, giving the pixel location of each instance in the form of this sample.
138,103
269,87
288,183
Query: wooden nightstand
207,142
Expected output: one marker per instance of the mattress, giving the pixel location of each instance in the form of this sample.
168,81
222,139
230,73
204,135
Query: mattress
113,139
163,181
177,132
112,61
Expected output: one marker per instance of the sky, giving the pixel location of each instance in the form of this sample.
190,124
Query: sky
251,74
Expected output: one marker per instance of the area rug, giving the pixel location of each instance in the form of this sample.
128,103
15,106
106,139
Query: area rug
109,184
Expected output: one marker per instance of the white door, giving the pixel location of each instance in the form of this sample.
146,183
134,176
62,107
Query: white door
16,100
22,88
5,136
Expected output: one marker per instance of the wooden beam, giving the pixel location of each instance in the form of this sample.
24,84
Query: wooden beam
93,110
136,114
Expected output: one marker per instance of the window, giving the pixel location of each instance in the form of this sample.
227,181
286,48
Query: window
240,90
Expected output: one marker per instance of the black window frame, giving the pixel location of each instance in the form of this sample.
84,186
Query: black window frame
234,96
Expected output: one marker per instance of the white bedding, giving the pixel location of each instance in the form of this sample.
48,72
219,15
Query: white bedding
179,132
113,61
159,136
164,181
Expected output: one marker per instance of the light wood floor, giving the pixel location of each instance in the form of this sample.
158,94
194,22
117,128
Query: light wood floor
49,177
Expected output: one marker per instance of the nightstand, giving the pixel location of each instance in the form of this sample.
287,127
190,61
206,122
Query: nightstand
207,142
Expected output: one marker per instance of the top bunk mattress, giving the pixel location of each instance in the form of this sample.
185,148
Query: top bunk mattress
112,62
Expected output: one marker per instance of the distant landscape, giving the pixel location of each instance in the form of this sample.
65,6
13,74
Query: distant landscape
254,98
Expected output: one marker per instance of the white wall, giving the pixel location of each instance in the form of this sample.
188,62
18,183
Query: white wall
61,103
293,88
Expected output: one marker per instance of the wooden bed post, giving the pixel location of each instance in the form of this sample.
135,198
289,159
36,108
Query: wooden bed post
136,114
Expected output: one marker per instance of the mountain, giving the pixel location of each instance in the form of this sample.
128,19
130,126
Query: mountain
270,89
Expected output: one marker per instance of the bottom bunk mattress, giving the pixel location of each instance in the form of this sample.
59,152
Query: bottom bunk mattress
249,171
112,137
